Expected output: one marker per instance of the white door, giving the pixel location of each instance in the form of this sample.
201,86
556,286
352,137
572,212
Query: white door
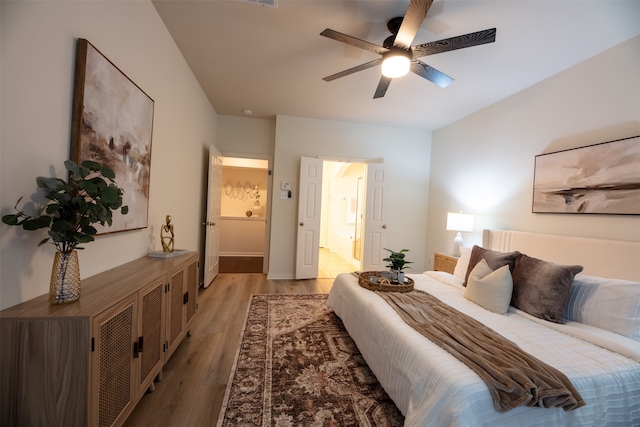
212,225
375,228
309,201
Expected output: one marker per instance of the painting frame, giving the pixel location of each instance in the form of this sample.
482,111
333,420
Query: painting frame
602,178
112,123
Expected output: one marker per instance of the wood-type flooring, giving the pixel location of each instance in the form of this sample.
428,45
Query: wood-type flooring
195,378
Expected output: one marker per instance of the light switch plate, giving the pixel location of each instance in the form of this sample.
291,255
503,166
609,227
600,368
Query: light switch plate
285,185
284,195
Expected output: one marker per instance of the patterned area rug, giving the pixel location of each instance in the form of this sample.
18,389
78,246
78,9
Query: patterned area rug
298,366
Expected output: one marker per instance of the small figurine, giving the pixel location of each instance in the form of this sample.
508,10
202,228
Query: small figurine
167,246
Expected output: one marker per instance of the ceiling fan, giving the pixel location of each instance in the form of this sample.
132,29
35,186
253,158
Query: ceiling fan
397,54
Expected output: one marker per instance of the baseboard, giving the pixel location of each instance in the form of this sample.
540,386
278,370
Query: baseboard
280,277
242,254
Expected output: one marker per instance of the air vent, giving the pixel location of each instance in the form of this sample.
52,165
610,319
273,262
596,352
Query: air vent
269,3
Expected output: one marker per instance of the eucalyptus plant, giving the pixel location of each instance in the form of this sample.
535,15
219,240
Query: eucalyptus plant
396,259
89,197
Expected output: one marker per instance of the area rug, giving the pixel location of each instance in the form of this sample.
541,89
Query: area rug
298,366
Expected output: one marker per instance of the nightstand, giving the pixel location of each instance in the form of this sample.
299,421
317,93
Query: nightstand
442,262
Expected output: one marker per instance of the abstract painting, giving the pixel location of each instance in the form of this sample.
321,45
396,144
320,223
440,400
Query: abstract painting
602,179
112,123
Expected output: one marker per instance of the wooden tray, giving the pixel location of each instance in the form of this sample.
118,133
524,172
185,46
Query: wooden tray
381,283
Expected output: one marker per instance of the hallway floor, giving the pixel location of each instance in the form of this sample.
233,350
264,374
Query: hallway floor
331,264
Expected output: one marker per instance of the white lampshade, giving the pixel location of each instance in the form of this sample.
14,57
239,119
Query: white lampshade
459,222
395,64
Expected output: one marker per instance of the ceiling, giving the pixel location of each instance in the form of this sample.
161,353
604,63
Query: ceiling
272,60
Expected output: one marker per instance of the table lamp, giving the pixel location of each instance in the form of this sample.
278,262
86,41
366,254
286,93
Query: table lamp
459,222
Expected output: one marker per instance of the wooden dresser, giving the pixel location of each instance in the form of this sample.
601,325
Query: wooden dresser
442,262
89,362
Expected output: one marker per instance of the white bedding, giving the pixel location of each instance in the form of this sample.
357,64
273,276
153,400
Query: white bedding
432,388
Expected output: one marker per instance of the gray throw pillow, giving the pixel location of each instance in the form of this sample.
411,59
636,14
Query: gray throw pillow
494,259
542,288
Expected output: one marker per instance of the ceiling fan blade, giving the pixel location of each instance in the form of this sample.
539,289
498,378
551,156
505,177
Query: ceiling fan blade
453,43
430,73
344,38
353,70
411,23
383,85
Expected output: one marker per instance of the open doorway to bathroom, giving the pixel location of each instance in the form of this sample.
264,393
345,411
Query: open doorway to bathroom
341,218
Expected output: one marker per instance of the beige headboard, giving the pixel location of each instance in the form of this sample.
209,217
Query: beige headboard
599,257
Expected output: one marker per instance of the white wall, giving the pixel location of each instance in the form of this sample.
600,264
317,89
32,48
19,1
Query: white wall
405,152
38,49
244,135
483,164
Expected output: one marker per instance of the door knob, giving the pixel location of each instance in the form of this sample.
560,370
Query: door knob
302,224
384,225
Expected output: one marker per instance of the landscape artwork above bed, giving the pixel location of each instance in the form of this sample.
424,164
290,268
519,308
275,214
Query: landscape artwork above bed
602,179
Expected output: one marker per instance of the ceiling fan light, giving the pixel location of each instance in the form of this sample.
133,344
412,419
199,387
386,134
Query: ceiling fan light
396,65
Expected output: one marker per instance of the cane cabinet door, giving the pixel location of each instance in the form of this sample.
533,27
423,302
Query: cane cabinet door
112,385
151,331
182,304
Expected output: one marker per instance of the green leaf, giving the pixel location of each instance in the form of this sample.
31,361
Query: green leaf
108,173
56,184
99,182
62,198
100,211
55,237
10,219
41,182
32,224
90,230
88,186
91,165
83,238
72,167
115,206
84,171
43,241
110,195
53,208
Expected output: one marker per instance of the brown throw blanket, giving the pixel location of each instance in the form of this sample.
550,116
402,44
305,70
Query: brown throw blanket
514,377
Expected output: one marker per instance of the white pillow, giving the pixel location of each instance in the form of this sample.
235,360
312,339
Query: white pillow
610,304
463,263
490,289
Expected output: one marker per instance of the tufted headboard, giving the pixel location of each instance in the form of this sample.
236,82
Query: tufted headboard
604,258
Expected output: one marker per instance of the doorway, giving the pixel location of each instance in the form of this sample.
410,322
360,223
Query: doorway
341,218
373,229
243,220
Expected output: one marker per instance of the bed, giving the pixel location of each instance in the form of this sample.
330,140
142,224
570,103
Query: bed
597,345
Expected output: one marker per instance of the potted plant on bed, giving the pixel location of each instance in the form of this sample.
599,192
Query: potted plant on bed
88,198
397,263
